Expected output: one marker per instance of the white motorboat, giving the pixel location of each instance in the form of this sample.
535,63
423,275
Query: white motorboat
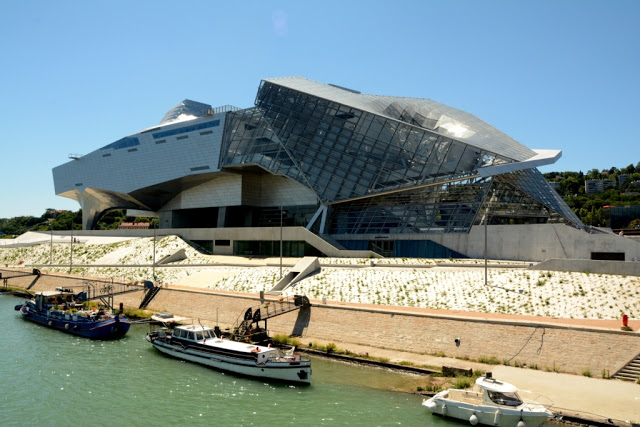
200,344
496,404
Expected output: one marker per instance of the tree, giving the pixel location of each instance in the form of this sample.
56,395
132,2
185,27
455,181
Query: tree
594,174
111,220
569,186
627,182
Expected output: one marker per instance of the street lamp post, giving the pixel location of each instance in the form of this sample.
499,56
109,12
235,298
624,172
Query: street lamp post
281,242
486,220
153,267
71,252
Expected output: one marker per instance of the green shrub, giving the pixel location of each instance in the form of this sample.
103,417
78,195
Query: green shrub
462,382
434,388
281,339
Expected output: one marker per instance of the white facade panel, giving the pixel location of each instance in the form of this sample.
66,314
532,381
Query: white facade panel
223,191
153,161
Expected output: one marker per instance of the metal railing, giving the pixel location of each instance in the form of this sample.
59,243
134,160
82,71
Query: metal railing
266,311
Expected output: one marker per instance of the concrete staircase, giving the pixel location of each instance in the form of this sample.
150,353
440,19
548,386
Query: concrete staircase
631,371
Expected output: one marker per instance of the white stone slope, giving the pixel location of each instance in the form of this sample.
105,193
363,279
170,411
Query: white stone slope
511,291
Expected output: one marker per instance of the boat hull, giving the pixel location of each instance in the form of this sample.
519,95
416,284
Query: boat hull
113,328
290,372
531,415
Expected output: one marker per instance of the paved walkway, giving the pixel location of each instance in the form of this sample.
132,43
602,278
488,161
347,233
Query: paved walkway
572,395
588,398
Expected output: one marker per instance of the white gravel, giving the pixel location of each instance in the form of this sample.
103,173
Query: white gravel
418,283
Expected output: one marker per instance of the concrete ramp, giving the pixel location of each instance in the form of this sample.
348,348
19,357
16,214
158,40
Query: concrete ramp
178,255
302,269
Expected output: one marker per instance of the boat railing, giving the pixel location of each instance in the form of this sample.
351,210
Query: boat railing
104,290
535,399
243,325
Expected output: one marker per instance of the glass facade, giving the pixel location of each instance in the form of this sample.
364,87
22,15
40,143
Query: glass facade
403,248
401,171
341,152
271,248
443,208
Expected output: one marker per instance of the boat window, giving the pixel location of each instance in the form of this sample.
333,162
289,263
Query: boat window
192,336
507,399
209,333
199,336
178,333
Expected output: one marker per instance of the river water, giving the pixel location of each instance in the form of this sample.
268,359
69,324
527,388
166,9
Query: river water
54,379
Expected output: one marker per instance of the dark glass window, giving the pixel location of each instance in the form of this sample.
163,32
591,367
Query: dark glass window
186,129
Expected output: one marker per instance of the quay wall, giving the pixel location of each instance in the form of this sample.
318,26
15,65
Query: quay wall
563,348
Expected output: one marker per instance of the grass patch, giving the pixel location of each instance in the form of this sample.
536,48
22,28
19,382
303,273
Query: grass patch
433,388
462,383
489,360
282,339
137,313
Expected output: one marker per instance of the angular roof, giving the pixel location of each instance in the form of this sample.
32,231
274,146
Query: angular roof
428,114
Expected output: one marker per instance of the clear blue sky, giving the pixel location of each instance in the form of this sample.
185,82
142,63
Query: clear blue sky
77,75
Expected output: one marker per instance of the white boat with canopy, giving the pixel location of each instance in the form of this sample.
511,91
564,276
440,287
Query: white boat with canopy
496,403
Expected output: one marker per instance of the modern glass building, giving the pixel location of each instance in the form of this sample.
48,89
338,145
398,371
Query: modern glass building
364,172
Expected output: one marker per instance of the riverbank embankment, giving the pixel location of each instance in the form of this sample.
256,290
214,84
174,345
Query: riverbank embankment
543,349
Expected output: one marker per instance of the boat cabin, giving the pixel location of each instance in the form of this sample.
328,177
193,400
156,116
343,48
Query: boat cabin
206,336
498,393
193,333
48,299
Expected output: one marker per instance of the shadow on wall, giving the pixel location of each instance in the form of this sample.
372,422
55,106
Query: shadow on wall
302,321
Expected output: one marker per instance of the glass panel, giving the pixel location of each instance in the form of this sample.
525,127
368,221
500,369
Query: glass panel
343,153
440,208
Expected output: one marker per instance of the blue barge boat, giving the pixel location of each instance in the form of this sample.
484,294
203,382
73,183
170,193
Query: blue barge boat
57,310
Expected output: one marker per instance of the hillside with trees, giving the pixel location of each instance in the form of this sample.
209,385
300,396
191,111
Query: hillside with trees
592,208
54,219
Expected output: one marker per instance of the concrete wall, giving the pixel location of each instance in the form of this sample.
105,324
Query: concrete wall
563,348
535,242
592,266
566,349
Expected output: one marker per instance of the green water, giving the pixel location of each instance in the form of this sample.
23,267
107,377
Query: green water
54,379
